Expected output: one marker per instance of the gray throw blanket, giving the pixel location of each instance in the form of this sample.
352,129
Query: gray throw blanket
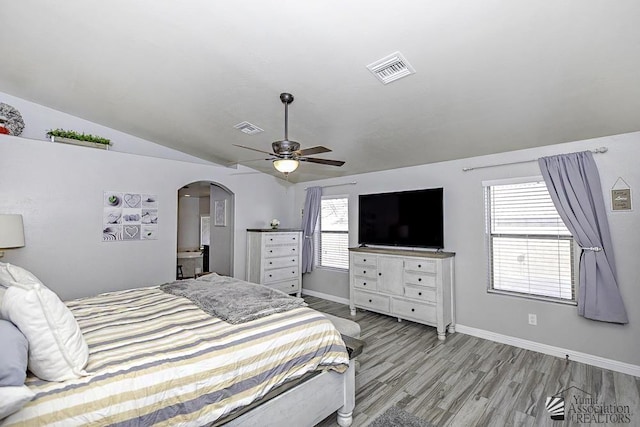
232,300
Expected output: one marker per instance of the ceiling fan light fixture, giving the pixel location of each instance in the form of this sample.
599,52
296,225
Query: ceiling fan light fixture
286,166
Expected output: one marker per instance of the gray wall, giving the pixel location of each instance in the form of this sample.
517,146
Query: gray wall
558,324
58,189
221,246
188,223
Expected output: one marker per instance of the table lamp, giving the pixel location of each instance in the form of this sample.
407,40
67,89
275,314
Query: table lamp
11,232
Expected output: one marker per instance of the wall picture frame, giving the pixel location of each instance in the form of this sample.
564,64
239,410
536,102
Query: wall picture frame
220,213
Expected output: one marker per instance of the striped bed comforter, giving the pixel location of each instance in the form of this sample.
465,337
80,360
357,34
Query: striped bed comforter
156,358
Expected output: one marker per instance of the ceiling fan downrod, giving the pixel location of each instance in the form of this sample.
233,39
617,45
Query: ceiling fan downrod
286,99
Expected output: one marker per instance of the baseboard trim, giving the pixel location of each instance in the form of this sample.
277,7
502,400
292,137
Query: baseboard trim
328,297
589,359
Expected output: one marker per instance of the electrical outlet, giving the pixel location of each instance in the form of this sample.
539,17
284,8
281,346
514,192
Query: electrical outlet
533,319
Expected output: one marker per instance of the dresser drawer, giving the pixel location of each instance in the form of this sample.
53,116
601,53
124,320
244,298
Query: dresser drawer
422,312
290,261
278,251
280,274
425,279
365,260
281,239
289,286
365,283
420,293
368,272
426,265
373,301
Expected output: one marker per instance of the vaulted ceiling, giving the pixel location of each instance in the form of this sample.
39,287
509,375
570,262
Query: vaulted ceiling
491,76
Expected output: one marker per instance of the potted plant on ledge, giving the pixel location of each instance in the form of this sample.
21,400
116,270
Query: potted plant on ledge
76,138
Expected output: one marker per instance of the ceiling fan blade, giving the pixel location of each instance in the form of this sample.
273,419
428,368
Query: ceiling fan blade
254,149
312,150
321,161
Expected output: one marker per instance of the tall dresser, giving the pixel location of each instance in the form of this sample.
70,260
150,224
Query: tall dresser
274,258
412,285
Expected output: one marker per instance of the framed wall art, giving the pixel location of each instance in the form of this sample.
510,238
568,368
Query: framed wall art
220,213
129,216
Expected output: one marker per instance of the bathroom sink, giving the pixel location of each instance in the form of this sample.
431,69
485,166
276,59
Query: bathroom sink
189,254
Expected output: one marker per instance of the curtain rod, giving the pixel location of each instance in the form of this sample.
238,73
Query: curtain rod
335,185
595,151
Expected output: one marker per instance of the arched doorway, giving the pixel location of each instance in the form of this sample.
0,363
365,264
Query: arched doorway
205,229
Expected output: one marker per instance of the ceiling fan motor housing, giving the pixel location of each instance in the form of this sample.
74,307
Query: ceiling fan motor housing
285,147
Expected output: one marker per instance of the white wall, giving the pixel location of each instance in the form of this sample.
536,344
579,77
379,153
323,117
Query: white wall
39,119
188,223
558,325
58,189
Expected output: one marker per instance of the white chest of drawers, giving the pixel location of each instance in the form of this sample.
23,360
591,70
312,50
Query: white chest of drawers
274,259
412,285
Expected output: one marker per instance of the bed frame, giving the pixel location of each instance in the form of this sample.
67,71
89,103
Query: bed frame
307,401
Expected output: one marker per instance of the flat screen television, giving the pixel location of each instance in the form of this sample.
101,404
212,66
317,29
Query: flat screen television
404,218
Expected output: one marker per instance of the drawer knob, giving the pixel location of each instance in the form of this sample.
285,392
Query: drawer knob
270,262
293,286
271,251
419,279
379,274
364,284
419,293
294,249
413,309
419,265
293,272
271,240
364,271
293,260
270,275
370,301
364,260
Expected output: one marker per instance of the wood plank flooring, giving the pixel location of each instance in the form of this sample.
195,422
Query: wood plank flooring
468,381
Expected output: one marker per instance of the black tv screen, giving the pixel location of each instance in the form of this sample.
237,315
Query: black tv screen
405,218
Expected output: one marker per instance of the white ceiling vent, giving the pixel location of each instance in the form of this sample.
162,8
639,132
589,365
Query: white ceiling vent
248,128
391,68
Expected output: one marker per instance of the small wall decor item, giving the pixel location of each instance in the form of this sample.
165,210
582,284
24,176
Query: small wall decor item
76,138
11,122
621,196
129,216
275,223
220,213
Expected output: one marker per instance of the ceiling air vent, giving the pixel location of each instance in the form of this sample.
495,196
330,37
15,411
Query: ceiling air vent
391,68
248,128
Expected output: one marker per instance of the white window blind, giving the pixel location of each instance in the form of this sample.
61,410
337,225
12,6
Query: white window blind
531,250
332,233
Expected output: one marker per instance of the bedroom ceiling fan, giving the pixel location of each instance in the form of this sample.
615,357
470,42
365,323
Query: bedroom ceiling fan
287,155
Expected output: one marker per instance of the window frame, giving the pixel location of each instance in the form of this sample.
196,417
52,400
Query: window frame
489,236
317,239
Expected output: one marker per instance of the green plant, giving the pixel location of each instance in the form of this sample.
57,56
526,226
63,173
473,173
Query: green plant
61,133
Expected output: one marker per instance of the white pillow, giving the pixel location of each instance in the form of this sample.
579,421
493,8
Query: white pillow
57,349
13,398
10,275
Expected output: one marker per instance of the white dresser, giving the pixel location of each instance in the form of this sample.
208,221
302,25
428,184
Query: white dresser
412,285
274,258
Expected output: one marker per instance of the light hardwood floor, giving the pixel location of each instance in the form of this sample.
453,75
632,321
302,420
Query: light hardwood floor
468,381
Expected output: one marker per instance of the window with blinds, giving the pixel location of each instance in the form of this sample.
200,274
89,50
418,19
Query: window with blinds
332,233
531,251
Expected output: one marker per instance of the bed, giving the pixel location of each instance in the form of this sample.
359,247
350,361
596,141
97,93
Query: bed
157,358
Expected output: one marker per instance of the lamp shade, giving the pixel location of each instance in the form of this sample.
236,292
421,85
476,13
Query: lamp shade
11,231
285,165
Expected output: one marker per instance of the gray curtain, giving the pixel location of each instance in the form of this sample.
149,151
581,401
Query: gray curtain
309,220
574,184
